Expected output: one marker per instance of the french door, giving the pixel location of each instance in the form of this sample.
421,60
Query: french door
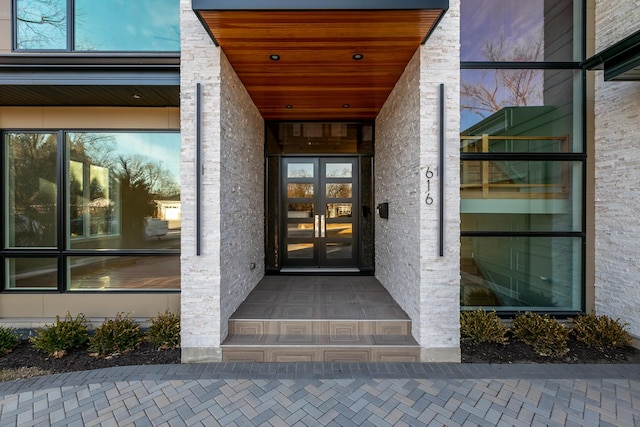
320,212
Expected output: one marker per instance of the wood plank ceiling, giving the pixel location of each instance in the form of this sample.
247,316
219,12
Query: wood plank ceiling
318,75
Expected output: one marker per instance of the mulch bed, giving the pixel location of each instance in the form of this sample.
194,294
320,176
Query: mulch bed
513,352
79,360
517,352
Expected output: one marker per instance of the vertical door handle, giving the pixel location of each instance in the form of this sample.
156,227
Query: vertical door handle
322,226
316,226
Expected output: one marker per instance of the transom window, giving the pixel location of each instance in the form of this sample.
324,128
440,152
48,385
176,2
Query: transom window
97,26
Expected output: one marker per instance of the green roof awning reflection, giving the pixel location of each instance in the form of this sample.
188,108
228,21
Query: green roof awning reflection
620,62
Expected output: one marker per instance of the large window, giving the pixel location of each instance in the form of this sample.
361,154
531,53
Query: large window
91,210
522,151
106,25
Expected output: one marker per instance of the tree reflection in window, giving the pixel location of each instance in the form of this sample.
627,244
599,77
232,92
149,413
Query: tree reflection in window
119,194
32,189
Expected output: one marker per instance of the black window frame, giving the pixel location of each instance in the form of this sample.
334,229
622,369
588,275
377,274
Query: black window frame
70,28
579,156
62,253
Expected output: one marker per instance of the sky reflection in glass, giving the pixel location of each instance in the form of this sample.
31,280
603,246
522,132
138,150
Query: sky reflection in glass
125,25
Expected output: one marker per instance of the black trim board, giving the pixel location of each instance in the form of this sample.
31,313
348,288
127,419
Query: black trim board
228,5
621,61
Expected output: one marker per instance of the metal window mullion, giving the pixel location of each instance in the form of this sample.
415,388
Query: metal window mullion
61,210
70,25
3,207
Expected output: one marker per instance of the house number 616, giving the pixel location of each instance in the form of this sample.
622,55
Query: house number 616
429,174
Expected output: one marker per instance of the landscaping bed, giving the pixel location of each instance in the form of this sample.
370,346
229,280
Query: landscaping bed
26,356
518,352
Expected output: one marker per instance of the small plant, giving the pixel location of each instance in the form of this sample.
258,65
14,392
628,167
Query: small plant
8,340
600,331
164,332
482,326
62,336
543,333
115,336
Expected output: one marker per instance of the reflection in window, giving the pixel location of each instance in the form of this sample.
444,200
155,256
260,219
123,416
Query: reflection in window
300,230
299,210
340,230
123,190
32,273
339,250
115,25
300,250
339,191
108,25
300,170
41,24
31,215
124,272
339,170
517,30
515,104
513,179
512,273
339,210
299,190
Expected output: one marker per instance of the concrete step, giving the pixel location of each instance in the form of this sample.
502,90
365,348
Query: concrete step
318,340
319,327
320,348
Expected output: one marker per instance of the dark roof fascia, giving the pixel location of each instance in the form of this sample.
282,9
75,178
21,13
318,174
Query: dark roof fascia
63,70
30,77
618,58
302,5
78,60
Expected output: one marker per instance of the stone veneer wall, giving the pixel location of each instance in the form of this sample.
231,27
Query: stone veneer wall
397,178
214,283
241,194
617,162
408,264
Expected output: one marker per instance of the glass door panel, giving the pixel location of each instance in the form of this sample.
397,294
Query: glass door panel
320,226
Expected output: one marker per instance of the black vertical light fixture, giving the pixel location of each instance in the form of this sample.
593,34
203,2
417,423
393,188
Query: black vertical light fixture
198,168
441,171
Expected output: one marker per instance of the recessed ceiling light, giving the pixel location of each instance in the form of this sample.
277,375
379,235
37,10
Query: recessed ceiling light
288,106
358,56
136,96
274,57
346,106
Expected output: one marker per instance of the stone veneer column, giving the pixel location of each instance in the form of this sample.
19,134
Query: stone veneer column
200,275
232,229
617,159
440,276
408,264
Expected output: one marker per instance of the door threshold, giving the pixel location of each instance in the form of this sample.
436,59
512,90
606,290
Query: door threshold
318,270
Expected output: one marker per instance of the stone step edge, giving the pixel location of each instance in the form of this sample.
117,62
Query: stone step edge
251,319
272,340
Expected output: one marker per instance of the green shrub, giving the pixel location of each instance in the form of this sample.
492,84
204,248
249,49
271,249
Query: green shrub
64,335
114,336
482,326
8,340
164,332
600,331
543,333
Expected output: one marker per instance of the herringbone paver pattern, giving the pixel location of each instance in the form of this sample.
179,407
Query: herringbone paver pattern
148,399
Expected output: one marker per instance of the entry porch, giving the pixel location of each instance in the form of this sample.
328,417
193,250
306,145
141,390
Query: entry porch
320,319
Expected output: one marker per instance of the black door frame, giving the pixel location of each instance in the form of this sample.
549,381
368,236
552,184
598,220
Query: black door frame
316,222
